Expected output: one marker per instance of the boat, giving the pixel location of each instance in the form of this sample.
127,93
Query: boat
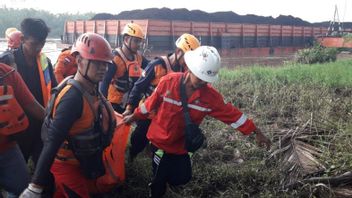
335,41
231,39
336,36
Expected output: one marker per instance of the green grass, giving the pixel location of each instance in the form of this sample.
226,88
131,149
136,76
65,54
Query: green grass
336,74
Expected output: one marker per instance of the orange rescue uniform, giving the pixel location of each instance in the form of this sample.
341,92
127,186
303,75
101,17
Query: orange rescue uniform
166,130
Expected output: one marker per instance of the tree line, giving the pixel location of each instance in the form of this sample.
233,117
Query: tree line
10,17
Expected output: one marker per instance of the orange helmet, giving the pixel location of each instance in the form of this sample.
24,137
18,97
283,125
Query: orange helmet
187,42
92,46
14,39
133,29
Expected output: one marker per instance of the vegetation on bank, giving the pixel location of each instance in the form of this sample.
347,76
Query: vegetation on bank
316,54
334,74
10,17
309,104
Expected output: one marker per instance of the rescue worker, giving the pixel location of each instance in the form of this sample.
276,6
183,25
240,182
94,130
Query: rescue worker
37,72
65,66
9,30
14,39
127,67
78,125
171,161
15,102
173,62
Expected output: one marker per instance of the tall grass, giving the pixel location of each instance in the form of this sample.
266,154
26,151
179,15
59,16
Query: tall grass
284,98
336,74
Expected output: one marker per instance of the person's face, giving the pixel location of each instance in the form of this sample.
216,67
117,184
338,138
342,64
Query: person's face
133,43
196,83
32,46
96,69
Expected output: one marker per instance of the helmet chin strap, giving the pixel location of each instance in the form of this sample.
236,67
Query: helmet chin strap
177,61
85,75
129,47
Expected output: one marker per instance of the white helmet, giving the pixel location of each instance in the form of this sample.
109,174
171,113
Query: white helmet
204,62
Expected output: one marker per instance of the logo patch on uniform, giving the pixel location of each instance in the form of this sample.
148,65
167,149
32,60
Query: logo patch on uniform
136,68
67,61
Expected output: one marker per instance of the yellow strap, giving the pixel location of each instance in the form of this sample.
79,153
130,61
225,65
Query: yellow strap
42,65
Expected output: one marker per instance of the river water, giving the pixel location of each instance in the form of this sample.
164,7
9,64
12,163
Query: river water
51,48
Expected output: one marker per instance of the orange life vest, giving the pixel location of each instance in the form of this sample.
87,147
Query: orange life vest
126,75
89,135
12,117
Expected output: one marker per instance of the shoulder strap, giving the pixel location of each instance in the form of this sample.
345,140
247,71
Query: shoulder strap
55,92
110,110
167,63
122,56
85,94
5,75
184,102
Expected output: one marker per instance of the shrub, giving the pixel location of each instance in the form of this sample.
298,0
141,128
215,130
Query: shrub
316,54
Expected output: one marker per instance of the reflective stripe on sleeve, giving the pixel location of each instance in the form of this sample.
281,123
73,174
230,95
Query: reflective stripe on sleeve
6,97
239,122
143,109
199,108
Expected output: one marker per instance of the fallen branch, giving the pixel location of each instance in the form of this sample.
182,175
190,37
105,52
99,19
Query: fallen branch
340,180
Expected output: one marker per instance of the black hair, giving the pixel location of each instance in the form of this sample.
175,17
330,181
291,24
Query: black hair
34,27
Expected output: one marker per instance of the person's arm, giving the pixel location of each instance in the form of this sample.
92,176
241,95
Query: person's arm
229,114
232,116
151,104
142,84
25,98
68,110
35,110
145,62
104,87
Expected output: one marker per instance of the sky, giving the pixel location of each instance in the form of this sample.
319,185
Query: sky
309,10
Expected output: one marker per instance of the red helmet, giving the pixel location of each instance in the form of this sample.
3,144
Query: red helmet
92,46
14,39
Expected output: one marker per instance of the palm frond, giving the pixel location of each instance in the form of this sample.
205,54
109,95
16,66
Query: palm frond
300,149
